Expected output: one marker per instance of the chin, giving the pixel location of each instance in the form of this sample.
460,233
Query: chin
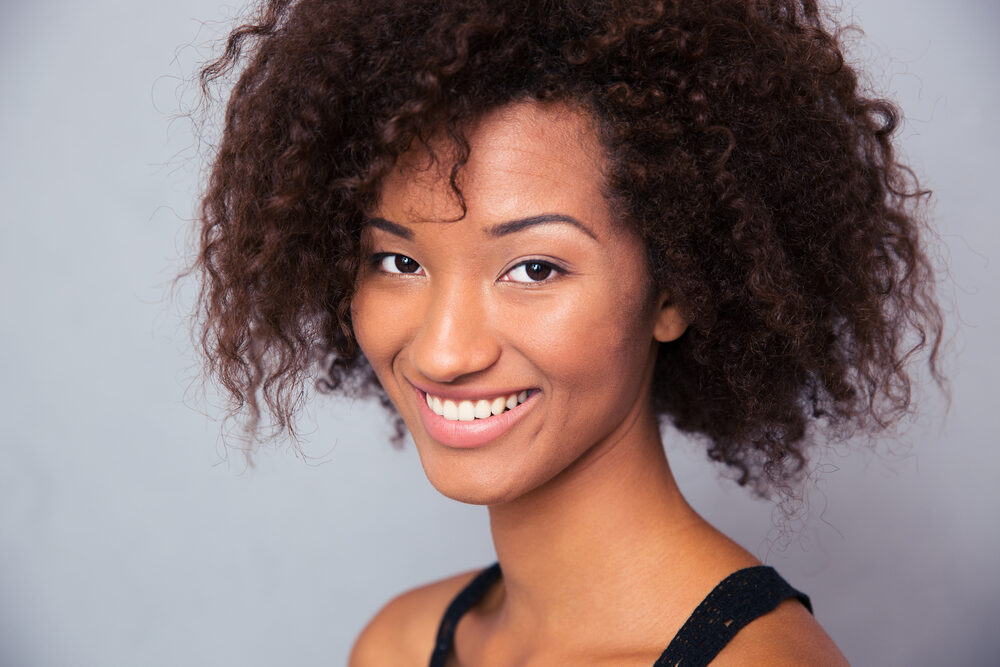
484,497
475,487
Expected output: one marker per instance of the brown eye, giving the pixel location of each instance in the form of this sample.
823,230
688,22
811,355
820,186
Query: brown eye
532,271
393,263
405,264
537,270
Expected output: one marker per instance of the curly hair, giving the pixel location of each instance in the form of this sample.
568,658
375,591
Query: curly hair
742,149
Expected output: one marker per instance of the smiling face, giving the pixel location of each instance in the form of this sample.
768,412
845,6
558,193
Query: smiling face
517,341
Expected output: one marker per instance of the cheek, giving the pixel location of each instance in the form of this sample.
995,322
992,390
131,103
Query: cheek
588,339
372,330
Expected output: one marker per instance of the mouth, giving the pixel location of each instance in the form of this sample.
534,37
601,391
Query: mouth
465,423
470,410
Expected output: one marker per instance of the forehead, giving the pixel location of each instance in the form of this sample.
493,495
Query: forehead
524,157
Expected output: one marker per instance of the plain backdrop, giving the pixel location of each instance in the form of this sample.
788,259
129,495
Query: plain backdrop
129,537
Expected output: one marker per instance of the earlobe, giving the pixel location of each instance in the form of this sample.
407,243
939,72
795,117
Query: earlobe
670,322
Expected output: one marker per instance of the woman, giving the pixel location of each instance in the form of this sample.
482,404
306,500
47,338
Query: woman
537,230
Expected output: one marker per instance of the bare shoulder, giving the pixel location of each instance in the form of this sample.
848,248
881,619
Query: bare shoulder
787,636
403,631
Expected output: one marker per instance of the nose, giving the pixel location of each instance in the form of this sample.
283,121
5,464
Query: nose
455,337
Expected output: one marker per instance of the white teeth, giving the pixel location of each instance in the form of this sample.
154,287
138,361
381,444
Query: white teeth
470,410
498,405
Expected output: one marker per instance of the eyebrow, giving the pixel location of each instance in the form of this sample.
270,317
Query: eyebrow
391,227
502,229
512,226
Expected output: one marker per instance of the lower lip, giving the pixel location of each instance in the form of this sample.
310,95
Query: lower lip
475,433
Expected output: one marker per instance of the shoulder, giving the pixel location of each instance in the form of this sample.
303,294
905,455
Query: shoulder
403,631
787,636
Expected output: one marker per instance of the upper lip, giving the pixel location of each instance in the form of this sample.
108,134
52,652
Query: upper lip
470,393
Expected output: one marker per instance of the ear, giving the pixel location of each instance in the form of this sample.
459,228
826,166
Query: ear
670,323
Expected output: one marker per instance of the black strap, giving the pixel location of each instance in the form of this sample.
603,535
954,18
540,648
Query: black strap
469,596
738,599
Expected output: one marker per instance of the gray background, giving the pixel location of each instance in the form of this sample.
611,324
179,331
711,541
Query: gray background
127,537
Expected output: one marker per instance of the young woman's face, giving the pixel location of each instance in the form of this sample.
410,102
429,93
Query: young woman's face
518,339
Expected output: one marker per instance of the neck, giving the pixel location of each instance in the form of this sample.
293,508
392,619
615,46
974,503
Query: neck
600,535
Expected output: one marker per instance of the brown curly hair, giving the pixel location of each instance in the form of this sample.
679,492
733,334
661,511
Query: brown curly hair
743,150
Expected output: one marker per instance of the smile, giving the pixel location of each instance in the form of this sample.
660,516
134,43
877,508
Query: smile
467,411
465,423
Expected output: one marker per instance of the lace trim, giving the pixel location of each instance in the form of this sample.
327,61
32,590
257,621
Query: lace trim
737,600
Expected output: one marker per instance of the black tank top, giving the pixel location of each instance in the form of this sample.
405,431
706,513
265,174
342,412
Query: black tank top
738,599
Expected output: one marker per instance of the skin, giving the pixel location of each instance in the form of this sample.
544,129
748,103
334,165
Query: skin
603,560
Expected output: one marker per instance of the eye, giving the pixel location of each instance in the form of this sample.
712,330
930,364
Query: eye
531,271
395,263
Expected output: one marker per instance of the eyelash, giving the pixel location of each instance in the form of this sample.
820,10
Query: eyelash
378,260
